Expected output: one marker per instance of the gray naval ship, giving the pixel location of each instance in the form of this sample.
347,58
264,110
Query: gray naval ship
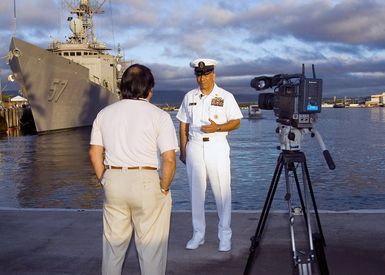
70,82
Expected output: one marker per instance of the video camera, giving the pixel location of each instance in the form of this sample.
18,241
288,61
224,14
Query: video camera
296,99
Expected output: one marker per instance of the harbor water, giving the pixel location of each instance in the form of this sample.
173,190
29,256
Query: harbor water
53,170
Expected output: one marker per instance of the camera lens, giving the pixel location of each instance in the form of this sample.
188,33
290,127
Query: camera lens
266,101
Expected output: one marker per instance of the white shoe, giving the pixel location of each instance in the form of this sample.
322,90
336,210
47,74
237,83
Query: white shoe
194,243
224,245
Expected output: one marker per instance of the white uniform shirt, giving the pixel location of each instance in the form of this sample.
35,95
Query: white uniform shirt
132,133
196,109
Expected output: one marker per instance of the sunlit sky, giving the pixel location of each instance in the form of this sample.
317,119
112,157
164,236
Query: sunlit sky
344,39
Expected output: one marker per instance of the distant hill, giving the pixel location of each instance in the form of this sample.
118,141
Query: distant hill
175,97
11,93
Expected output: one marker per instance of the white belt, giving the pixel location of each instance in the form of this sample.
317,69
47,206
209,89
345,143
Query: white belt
207,138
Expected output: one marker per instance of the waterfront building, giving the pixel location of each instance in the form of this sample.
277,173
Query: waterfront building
376,100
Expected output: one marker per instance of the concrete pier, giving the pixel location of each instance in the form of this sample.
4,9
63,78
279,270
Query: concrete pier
60,241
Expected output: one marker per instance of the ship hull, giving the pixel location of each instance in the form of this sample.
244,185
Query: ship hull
59,91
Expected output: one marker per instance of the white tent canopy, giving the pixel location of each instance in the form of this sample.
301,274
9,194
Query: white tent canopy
18,99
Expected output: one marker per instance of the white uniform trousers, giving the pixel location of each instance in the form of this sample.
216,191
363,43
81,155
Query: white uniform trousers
133,200
209,160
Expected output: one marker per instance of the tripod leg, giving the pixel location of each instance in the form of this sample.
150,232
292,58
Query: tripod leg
269,198
314,202
318,238
265,212
288,198
304,269
302,262
308,225
320,253
300,194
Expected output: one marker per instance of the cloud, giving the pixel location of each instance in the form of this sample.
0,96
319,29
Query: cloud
351,22
344,39
218,16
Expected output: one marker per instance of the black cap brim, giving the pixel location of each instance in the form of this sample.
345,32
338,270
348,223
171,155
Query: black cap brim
203,71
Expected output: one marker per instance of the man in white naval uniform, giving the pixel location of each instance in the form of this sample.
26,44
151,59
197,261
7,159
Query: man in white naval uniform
206,116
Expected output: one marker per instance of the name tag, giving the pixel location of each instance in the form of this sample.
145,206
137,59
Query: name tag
192,104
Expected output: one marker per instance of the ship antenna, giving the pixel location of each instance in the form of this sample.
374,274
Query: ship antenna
71,7
113,30
14,18
91,13
313,68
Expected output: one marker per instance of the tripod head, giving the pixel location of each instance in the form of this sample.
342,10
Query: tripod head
290,139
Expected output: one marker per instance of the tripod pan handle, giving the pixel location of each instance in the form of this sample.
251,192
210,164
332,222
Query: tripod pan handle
329,160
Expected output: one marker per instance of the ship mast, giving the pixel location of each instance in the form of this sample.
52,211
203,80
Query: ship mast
14,18
84,26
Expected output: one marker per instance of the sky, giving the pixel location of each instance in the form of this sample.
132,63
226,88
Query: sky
345,40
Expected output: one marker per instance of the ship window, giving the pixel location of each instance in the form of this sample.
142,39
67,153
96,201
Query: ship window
60,54
65,54
78,53
72,54
85,53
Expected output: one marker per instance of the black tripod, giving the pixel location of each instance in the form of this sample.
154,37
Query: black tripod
290,160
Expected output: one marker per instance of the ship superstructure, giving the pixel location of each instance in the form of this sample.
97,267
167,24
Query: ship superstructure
68,83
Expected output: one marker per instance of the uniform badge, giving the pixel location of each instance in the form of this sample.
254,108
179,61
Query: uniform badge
216,116
192,104
217,101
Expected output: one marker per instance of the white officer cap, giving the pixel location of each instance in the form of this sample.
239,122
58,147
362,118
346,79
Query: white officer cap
203,66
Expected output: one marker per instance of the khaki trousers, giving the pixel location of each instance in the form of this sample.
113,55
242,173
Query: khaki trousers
133,201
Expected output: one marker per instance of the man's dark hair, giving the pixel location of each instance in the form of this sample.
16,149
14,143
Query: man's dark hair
137,81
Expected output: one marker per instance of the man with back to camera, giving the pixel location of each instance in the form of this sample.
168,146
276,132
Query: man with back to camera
125,140
206,116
